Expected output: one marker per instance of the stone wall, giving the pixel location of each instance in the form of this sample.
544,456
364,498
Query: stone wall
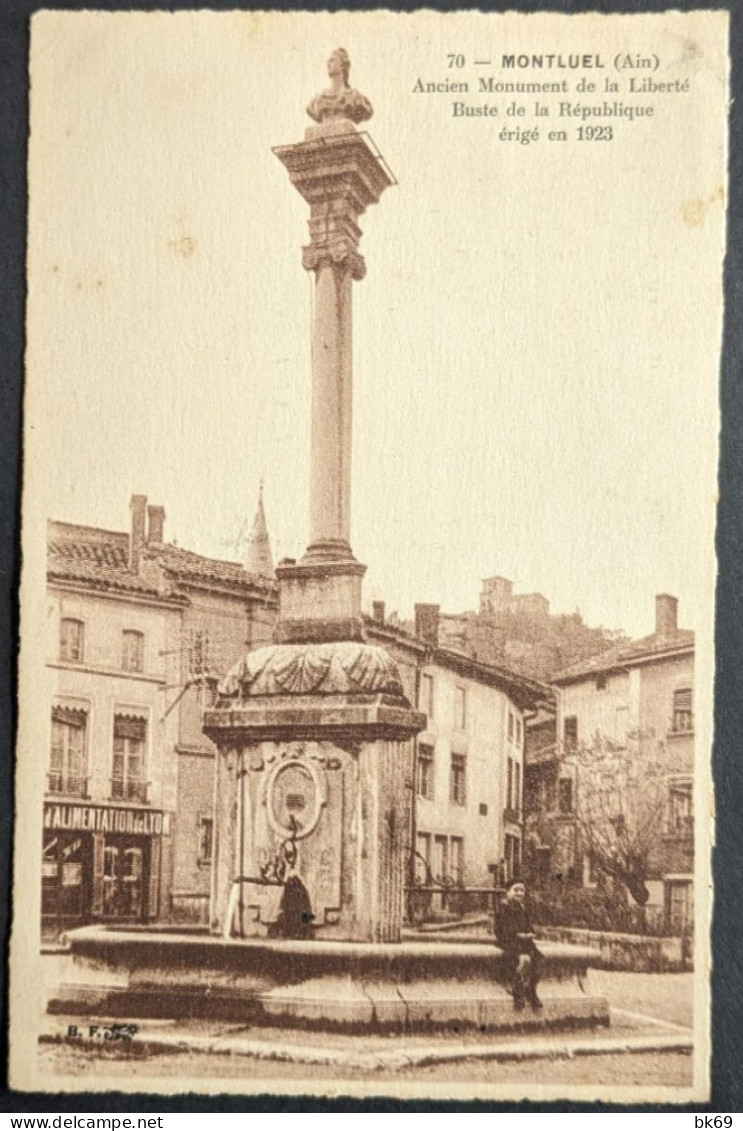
640,953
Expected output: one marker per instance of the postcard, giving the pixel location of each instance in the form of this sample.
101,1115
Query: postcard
369,497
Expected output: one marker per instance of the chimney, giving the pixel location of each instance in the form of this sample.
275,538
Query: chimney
666,614
155,523
138,507
427,623
378,611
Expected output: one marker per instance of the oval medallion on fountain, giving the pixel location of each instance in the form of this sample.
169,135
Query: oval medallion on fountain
332,668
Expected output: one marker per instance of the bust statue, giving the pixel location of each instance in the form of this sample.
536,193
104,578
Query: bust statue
340,100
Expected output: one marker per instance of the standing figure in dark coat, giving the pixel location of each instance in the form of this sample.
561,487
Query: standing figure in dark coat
515,936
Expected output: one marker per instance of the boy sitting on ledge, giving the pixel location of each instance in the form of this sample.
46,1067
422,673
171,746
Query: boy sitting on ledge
515,936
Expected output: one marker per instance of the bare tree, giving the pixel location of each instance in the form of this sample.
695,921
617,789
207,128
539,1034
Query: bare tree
620,808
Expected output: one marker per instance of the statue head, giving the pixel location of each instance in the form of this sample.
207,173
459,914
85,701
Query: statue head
340,101
339,63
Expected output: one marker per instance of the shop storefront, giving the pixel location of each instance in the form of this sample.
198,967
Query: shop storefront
100,863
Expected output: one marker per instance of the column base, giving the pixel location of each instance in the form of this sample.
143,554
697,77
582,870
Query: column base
320,597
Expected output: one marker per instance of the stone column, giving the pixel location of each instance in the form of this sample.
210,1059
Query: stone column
339,173
332,395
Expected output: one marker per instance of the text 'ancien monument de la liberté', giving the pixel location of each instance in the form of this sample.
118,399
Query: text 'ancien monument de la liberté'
595,103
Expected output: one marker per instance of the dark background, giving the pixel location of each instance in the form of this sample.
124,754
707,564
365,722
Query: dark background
727,974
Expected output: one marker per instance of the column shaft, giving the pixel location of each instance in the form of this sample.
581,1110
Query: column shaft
330,468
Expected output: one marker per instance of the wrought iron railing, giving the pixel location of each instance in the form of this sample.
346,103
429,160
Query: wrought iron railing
129,789
430,896
67,785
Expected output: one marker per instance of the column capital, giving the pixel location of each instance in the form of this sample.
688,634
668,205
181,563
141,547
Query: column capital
338,254
346,165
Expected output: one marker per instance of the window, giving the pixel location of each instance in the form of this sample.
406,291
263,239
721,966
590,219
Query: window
456,854
132,876
110,880
132,651
570,732
427,695
425,772
127,779
565,795
67,756
512,857
206,839
591,870
513,787
680,809
457,783
543,863
71,640
518,732
423,858
460,708
682,720
441,857
679,907
601,682
511,726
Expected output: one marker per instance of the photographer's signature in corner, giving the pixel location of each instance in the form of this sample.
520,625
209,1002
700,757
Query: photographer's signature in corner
115,1032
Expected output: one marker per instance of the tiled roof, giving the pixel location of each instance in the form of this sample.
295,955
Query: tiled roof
681,639
627,654
525,692
185,564
99,558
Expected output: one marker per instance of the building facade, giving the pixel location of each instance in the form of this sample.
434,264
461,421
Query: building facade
467,781
137,631
633,704
110,790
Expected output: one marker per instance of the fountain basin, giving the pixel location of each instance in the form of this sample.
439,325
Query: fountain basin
323,984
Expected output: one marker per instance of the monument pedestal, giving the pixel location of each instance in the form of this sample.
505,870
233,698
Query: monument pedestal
320,599
314,778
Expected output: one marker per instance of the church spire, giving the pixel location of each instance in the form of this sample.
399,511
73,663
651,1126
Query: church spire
259,557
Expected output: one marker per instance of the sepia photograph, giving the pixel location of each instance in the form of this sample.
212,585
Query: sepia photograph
368,524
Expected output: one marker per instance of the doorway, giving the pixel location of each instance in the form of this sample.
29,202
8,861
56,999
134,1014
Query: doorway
126,874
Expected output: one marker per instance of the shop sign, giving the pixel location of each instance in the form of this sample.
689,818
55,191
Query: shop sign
107,819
